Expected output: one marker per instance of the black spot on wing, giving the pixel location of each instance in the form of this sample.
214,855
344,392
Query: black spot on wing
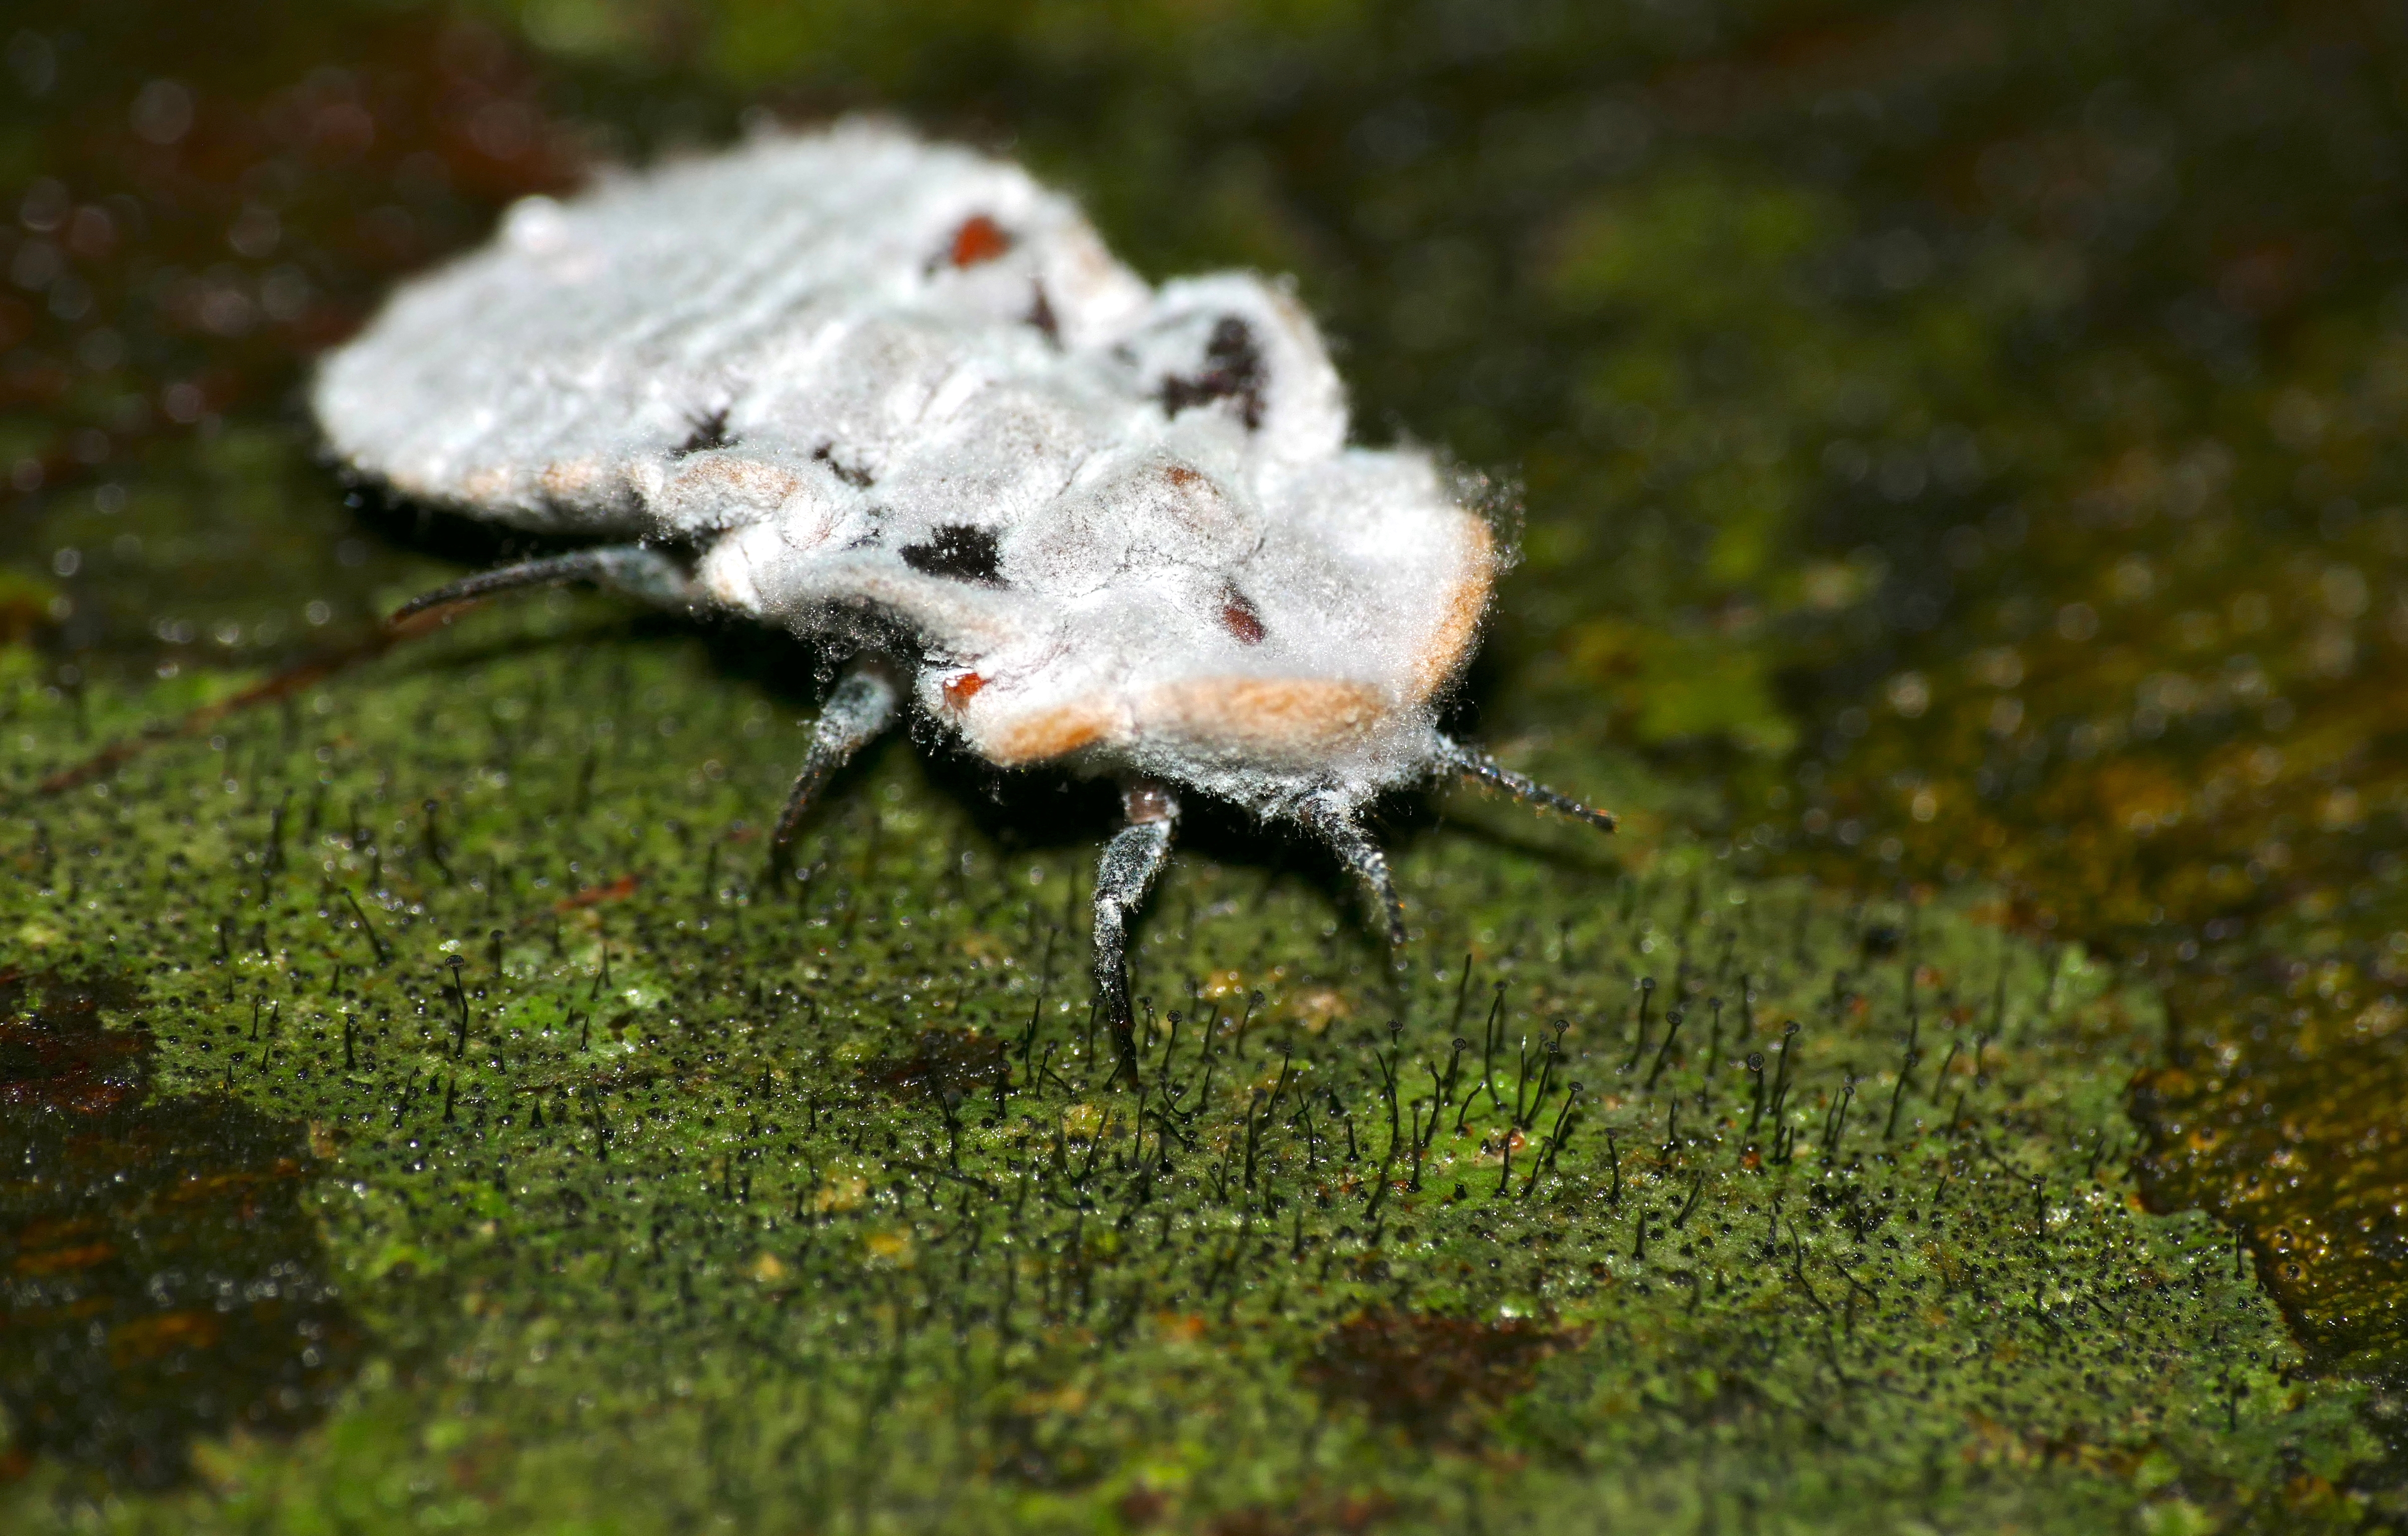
1040,315
1233,370
852,475
709,431
958,551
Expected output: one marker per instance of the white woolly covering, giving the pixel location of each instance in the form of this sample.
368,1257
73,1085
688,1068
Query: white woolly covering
883,383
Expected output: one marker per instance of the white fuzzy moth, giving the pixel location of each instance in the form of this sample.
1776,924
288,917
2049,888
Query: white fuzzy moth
899,397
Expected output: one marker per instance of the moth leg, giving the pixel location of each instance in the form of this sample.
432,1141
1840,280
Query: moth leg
629,568
1328,816
1473,764
856,714
1131,859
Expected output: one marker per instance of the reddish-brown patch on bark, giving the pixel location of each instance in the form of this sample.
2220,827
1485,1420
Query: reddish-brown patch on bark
1434,1376
616,890
949,1062
135,1214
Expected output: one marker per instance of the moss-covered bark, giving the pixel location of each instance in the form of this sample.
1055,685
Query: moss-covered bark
665,1184
1953,444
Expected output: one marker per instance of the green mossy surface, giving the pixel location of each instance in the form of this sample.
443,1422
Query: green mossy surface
1956,451
803,1200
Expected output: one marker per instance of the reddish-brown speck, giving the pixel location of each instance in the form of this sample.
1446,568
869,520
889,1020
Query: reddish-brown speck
1242,620
979,239
960,690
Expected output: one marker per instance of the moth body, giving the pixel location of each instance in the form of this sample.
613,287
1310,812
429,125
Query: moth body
861,386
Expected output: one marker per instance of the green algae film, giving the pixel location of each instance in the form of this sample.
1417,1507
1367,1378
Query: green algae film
1981,407
164,1279
680,1181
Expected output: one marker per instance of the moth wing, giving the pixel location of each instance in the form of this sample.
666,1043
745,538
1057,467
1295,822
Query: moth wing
560,376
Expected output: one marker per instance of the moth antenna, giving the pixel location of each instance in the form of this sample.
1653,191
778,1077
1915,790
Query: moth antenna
1473,764
856,713
628,568
1131,860
1325,814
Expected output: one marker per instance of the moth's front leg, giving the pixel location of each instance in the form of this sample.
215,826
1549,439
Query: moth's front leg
858,712
1131,860
1328,816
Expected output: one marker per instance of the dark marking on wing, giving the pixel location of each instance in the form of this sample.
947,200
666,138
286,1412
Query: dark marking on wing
959,551
852,475
709,431
1240,618
1233,370
1040,315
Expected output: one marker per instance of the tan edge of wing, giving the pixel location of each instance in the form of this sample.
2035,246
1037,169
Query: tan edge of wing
1040,736
749,482
576,480
1456,632
1273,715
1267,717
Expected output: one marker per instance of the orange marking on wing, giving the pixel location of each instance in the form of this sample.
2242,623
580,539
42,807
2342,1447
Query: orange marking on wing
1043,734
1264,714
979,239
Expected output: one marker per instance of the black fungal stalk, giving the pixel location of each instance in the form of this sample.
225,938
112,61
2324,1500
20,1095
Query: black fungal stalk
1255,1122
1836,1118
1544,1164
1781,1074
1671,1032
1713,1052
1905,1075
1491,1036
1420,1138
1697,1193
1638,1043
460,998
1253,1001
1462,992
376,945
1521,1081
430,840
